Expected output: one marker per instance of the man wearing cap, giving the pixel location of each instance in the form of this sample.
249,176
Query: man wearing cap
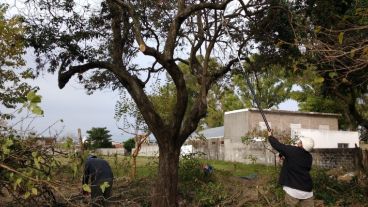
294,176
98,171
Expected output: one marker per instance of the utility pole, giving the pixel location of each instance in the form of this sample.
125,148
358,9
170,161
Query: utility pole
81,144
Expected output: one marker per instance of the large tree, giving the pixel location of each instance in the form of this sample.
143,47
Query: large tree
311,97
328,36
13,88
334,34
98,43
268,81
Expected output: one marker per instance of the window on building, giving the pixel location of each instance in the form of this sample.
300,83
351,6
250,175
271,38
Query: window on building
342,145
222,142
324,127
213,142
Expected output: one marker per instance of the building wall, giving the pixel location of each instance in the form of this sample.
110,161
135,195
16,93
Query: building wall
282,121
256,152
223,149
238,123
234,152
330,138
212,149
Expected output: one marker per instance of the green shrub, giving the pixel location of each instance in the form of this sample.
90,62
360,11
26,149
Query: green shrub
331,191
190,169
25,171
199,188
210,194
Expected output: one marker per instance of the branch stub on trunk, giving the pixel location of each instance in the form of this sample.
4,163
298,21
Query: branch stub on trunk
142,47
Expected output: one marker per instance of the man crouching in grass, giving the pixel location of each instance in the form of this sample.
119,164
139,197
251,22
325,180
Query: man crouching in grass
98,171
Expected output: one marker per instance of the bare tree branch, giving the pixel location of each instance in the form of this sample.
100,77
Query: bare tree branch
64,77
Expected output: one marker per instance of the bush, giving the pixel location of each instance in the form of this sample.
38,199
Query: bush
197,186
25,171
190,169
210,194
332,192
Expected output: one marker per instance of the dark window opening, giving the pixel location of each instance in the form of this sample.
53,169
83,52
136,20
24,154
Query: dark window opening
342,145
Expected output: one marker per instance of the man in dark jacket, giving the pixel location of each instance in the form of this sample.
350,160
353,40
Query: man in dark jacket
294,176
98,171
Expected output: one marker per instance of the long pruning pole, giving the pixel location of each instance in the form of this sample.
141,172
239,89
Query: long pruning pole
255,97
247,80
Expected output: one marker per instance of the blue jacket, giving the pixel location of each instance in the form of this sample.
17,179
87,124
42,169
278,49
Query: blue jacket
97,170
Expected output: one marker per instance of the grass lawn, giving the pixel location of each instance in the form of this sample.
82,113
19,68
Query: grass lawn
241,169
148,165
225,188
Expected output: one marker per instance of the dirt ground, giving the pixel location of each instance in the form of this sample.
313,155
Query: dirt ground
255,192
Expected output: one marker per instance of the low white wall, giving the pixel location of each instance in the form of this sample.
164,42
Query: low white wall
111,151
152,150
325,139
148,150
254,152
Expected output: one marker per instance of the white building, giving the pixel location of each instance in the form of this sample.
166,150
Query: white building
327,139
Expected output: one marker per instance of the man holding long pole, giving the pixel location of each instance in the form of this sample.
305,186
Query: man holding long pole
294,176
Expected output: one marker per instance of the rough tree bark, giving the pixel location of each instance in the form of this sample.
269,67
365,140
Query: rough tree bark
165,192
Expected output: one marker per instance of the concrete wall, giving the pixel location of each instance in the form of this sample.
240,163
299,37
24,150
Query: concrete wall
258,152
330,138
153,150
149,150
111,151
335,158
262,153
282,121
225,149
254,152
213,149
238,123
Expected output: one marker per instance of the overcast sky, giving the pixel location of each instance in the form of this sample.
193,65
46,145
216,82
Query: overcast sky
75,107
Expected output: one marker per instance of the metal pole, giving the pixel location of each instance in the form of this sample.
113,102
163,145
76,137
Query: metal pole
247,80
256,100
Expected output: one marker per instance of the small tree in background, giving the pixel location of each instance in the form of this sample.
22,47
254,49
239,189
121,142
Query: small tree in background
256,133
98,138
129,145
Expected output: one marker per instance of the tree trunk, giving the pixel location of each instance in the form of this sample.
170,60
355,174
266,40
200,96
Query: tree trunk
165,192
134,166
